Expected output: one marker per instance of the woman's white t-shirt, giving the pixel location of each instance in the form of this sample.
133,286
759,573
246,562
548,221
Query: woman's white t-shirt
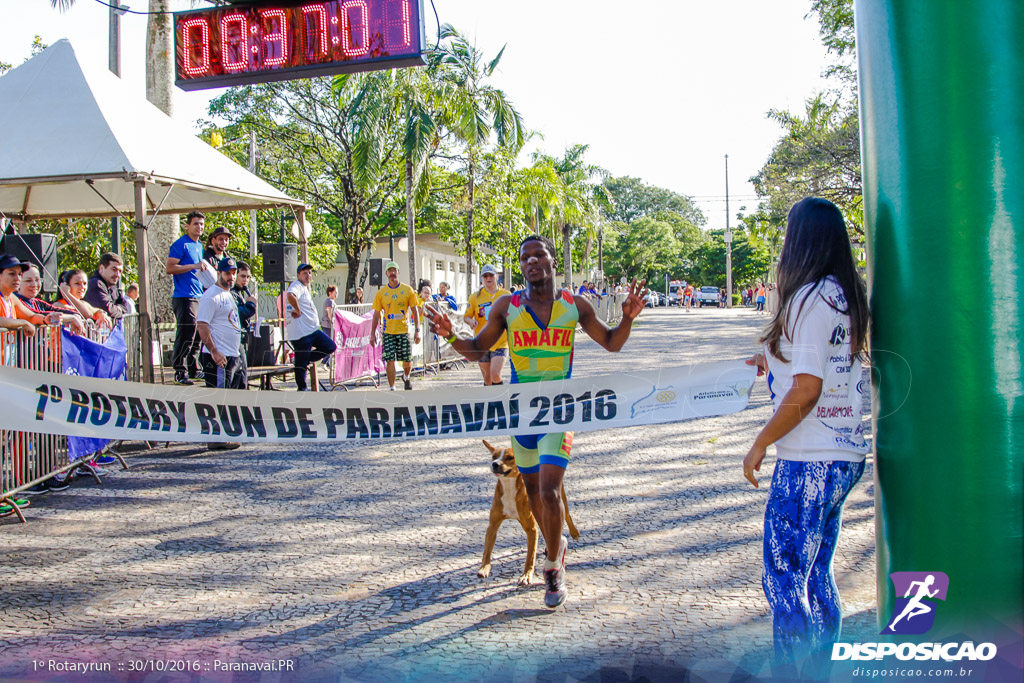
819,345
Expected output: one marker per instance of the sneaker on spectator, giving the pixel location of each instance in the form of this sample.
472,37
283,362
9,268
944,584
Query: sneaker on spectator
58,484
39,489
222,446
408,384
199,376
102,460
181,379
86,469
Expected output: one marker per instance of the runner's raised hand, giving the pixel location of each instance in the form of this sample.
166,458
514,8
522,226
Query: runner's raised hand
438,321
633,304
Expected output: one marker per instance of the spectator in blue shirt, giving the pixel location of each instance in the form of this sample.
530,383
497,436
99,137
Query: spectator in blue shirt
443,295
184,260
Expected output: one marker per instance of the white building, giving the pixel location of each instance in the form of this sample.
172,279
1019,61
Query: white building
436,260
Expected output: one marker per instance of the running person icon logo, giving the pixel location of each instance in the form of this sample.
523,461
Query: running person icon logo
914,613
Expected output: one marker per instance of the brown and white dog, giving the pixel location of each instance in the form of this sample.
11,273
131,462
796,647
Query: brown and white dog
510,502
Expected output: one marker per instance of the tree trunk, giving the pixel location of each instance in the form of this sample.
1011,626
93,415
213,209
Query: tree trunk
586,253
567,254
353,257
163,230
410,222
469,227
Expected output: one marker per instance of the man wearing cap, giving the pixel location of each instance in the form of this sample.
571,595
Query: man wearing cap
303,328
247,305
14,314
477,311
184,261
221,332
394,302
217,246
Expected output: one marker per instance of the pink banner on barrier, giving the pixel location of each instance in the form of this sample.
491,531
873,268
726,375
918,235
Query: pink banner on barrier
355,357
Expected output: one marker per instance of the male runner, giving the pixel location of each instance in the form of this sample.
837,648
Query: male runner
479,307
540,323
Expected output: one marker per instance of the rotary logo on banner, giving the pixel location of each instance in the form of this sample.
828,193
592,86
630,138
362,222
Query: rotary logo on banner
101,408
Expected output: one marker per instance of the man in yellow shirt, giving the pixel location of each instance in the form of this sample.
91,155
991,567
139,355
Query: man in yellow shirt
479,308
395,301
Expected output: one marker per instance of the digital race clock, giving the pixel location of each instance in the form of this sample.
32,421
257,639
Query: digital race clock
275,41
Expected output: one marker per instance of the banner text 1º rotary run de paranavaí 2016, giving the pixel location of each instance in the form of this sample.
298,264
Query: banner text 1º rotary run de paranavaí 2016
49,403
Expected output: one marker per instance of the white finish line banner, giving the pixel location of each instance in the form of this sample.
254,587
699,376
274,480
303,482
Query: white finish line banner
49,403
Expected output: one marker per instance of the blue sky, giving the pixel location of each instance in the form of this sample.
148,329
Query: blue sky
659,90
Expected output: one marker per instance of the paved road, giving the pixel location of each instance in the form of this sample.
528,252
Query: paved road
359,562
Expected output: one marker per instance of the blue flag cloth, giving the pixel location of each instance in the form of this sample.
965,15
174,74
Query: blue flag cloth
108,360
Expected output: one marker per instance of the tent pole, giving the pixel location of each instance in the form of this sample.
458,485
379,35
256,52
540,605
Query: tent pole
142,258
300,219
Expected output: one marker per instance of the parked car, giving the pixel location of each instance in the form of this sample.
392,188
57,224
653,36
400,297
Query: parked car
707,296
653,299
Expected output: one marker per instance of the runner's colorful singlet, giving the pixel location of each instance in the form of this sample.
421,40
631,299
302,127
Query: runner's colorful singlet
541,353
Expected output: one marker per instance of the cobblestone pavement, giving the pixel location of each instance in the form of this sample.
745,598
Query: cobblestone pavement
358,562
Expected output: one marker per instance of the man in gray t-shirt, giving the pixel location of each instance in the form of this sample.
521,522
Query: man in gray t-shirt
219,328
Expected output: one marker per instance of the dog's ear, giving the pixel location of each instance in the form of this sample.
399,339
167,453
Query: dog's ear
489,446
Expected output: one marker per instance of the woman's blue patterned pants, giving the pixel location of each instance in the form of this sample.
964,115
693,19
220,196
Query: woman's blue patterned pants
801,529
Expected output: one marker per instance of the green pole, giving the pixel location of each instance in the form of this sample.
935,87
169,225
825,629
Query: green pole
942,119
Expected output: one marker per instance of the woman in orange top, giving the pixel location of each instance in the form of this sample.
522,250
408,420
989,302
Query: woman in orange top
760,297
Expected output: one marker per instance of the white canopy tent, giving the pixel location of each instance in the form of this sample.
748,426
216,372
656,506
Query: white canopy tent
65,123
77,142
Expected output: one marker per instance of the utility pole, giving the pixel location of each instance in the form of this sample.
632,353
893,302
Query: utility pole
728,241
114,63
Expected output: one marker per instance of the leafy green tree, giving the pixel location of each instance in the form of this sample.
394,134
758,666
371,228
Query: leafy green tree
335,143
645,248
819,152
750,260
473,109
819,155
633,198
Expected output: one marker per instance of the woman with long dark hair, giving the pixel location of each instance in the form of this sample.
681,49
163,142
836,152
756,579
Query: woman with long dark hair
813,348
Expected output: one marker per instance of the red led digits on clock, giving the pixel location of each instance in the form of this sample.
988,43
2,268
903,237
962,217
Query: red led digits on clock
234,37
314,28
275,37
397,27
268,41
192,66
355,28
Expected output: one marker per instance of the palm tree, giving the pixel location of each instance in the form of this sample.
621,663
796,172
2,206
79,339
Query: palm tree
420,140
473,108
538,191
579,206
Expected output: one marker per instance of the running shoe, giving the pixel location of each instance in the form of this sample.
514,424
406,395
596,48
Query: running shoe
56,484
199,376
554,579
408,384
182,380
102,460
39,489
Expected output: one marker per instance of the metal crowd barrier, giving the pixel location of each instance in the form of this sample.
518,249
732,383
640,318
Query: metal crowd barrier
28,458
